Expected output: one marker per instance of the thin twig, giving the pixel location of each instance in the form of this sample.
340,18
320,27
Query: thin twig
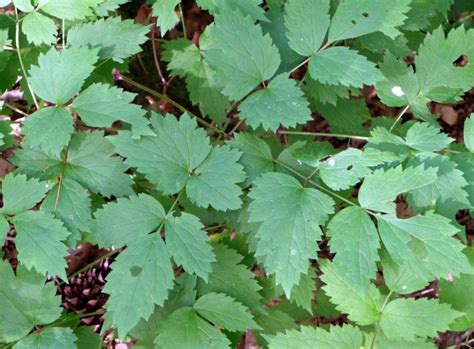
399,117
61,179
155,58
183,23
172,102
19,111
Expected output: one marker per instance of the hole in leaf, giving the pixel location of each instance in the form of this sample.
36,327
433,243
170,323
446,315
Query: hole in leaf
461,61
365,14
135,271
354,21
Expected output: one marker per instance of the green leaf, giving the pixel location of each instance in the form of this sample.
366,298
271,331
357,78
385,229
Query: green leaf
400,278
256,156
22,5
379,189
69,68
426,137
250,8
302,293
25,301
232,278
49,129
346,337
49,338
39,242
72,205
199,334
458,294
355,241
141,277
290,216
307,22
342,66
100,105
353,19
362,307
344,169
405,319
66,9
180,156
225,312
346,116
114,221
425,243
167,17
312,153
90,162
87,338
469,133
21,194
39,29
214,182
188,244
317,92
281,103
240,54
118,39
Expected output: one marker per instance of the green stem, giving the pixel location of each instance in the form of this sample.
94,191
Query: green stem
404,110
91,264
172,102
180,9
20,59
322,134
377,327
173,206
300,65
236,126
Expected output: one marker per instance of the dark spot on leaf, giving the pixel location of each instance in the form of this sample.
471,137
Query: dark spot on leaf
461,61
354,21
135,271
349,167
365,14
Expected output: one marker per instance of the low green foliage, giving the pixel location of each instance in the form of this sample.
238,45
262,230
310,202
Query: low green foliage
227,215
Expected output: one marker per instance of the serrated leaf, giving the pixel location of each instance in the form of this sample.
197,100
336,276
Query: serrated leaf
425,243
232,278
353,19
256,156
49,338
225,312
346,337
405,319
114,221
49,129
214,182
307,22
199,334
319,93
312,153
362,307
66,9
26,301
60,75
281,103
342,66
247,7
344,169
240,54
458,294
20,193
4,229
469,133
187,244
118,39
39,29
180,156
90,162
425,137
400,278
167,17
87,338
100,105
290,216
141,277
303,292
39,242
72,205
355,241
379,189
